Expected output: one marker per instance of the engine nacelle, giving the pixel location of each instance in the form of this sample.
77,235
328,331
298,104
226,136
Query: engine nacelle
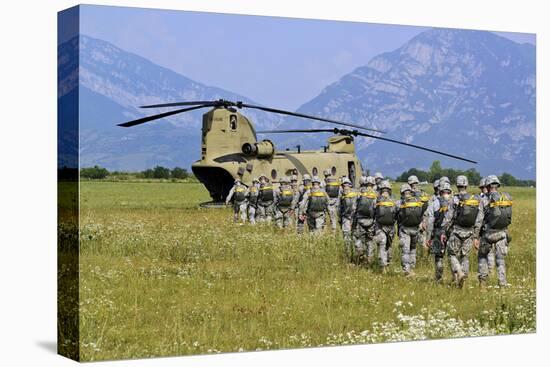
263,149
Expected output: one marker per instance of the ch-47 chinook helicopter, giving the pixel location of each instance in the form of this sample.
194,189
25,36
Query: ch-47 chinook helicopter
230,148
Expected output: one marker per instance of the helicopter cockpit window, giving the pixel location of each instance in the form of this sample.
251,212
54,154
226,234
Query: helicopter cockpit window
333,171
314,171
233,122
273,174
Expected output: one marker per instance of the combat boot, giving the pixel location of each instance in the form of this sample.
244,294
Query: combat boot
460,278
483,284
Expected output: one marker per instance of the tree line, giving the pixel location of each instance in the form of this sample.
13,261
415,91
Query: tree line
436,171
158,172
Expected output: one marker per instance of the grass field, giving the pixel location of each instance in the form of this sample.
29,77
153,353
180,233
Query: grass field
161,277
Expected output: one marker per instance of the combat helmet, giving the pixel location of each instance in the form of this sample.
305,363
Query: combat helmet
444,186
436,184
405,187
285,180
413,180
327,172
346,181
384,185
293,178
306,177
482,182
367,180
492,179
255,179
315,179
444,179
462,181
378,175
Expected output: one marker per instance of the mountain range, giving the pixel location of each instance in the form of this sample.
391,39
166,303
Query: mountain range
469,93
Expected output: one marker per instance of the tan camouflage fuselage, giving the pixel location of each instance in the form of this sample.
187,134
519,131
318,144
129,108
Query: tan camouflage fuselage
230,150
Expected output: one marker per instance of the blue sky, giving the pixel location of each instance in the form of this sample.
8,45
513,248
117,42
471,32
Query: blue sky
272,52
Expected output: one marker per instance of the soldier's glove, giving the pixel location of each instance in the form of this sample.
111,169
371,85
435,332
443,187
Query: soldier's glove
302,217
476,243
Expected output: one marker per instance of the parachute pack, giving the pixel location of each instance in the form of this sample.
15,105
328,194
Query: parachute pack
467,210
385,212
332,188
410,212
266,194
318,201
499,213
239,195
346,203
286,197
366,204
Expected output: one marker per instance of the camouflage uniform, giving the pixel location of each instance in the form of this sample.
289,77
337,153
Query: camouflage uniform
347,212
237,196
497,217
424,198
484,199
385,216
378,178
425,219
265,211
364,219
462,224
253,201
331,185
314,206
436,213
285,202
409,218
304,187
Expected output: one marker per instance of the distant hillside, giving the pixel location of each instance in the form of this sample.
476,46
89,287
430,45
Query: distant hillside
113,83
471,93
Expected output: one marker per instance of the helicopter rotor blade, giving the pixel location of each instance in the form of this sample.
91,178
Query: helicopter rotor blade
297,114
357,133
239,104
176,104
159,116
414,146
297,131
